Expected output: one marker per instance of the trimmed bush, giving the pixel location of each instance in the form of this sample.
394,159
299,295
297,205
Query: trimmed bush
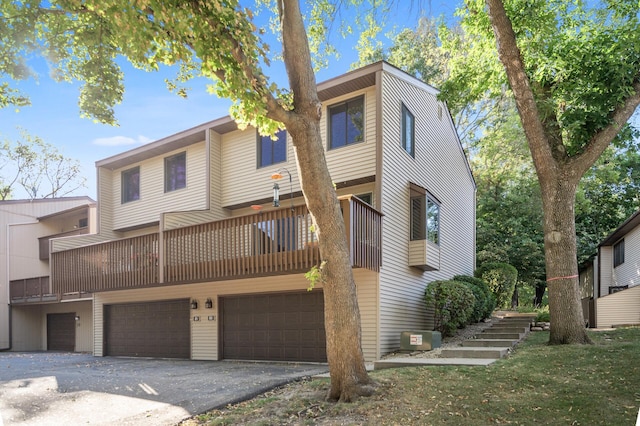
453,304
487,302
501,279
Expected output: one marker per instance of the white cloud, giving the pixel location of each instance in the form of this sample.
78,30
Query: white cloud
121,141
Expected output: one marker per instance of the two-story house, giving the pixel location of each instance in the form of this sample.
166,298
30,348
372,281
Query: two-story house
32,317
193,260
610,282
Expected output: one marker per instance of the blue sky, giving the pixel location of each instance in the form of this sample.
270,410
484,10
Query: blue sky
149,111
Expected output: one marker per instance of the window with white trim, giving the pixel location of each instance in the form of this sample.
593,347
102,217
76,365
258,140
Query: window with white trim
618,253
130,185
346,123
175,172
408,131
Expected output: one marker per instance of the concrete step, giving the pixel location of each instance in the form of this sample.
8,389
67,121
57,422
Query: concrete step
506,329
417,362
498,335
474,352
495,343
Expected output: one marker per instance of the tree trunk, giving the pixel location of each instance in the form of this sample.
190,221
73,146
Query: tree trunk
565,309
349,378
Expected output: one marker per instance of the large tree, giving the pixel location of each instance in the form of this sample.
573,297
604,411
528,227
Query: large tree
216,39
574,70
38,168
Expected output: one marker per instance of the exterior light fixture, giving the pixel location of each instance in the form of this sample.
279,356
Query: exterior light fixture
208,304
77,318
256,207
278,175
276,195
194,304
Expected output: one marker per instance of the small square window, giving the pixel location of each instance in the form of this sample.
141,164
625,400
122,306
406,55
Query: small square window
175,172
130,185
408,131
367,198
272,151
346,123
618,253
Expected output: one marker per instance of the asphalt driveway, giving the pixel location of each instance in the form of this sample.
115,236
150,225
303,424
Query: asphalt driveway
47,388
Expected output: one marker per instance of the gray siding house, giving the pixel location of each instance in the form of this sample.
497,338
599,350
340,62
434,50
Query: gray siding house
193,260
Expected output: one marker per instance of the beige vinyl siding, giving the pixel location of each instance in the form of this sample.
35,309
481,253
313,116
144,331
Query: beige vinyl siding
24,251
606,269
440,167
357,160
13,215
242,181
367,286
153,200
628,273
619,308
30,325
204,333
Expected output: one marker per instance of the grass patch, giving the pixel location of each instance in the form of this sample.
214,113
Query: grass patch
595,384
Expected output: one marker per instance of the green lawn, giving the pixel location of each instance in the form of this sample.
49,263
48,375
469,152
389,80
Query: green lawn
537,384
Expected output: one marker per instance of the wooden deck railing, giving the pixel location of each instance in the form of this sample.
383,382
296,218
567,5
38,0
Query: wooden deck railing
266,243
35,289
125,263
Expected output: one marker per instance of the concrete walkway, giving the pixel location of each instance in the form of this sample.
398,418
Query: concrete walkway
485,348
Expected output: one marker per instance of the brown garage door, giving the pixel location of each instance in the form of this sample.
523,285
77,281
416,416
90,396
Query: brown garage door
275,327
61,332
151,329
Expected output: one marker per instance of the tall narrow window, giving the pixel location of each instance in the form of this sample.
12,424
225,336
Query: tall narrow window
425,219
408,131
618,253
130,189
272,151
175,172
346,123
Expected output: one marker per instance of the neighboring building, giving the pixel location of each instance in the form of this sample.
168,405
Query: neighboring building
610,282
32,316
191,259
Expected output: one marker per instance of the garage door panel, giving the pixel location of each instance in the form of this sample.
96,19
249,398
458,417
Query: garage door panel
150,329
61,332
294,325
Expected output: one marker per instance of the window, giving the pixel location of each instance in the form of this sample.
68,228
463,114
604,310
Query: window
367,198
83,223
618,253
272,151
346,123
175,172
408,131
130,185
425,219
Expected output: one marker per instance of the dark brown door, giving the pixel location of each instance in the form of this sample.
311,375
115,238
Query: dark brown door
61,332
274,327
150,329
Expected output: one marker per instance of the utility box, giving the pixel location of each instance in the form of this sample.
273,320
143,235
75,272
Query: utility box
420,340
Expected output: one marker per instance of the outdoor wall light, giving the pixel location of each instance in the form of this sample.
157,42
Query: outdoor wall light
77,318
208,304
194,304
276,189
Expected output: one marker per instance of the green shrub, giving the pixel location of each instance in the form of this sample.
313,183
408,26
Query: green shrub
501,279
487,303
453,304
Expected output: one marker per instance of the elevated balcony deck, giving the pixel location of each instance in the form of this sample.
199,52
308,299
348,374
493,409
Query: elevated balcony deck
267,243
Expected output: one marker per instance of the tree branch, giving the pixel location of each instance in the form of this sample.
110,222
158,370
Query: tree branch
601,140
511,58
